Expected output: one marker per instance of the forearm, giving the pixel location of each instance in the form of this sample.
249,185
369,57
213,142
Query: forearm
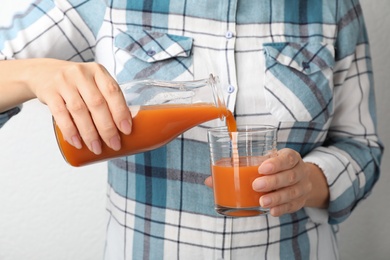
14,83
30,35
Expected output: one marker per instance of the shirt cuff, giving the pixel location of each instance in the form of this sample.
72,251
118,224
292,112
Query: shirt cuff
5,116
334,166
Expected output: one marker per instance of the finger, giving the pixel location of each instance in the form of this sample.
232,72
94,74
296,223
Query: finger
79,111
286,159
287,208
82,119
286,195
115,100
63,120
276,181
209,182
280,209
101,116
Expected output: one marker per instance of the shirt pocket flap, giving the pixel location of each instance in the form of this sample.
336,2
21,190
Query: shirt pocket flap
307,58
151,46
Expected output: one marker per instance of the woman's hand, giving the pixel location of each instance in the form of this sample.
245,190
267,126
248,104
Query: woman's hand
86,102
289,184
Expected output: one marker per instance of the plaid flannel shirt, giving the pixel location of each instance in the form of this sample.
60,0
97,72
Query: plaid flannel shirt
303,66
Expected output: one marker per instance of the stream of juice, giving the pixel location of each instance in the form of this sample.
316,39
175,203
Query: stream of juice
153,126
233,177
230,122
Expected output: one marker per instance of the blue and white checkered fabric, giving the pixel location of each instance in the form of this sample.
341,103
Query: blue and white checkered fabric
303,66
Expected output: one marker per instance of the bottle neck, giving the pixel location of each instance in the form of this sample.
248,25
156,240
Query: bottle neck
214,83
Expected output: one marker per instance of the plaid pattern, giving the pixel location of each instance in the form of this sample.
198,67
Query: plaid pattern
303,66
4,117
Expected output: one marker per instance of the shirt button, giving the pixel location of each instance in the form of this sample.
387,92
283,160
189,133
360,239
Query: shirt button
230,89
229,34
151,52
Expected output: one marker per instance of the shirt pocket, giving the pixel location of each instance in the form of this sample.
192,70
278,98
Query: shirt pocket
152,54
299,81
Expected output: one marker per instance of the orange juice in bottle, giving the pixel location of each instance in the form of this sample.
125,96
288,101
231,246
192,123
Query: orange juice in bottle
161,111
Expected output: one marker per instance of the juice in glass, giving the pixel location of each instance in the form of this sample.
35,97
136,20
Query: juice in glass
233,186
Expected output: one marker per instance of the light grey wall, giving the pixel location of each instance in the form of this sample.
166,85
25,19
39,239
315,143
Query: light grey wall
49,210
366,234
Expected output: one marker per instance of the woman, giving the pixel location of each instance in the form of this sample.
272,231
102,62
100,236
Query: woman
303,66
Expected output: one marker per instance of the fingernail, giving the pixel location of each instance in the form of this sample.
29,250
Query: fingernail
76,142
259,184
115,143
266,168
265,201
125,127
96,147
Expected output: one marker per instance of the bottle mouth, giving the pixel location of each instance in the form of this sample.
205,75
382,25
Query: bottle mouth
217,92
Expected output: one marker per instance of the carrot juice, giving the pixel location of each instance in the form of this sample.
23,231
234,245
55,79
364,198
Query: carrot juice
153,126
231,123
233,185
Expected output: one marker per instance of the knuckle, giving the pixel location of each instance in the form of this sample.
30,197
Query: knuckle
293,157
97,66
298,204
275,182
61,76
75,107
292,178
58,109
68,127
276,200
98,69
290,157
112,88
74,69
301,204
107,129
90,131
122,110
290,207
89,135
96,101
309,186
293,193
294,206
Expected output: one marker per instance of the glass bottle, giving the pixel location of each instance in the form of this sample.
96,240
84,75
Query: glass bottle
161,111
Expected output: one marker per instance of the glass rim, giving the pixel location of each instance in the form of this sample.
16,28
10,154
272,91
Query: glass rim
244,128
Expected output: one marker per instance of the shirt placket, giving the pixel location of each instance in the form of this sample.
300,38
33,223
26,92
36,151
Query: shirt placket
230,91
231,88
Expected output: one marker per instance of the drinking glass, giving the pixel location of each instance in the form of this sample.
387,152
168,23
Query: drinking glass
235,159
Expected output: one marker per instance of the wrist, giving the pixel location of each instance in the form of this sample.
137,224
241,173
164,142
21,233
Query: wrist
319,195
14,83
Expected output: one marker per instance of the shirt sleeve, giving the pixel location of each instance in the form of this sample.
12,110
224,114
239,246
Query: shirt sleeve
351,155
5,116
51,29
